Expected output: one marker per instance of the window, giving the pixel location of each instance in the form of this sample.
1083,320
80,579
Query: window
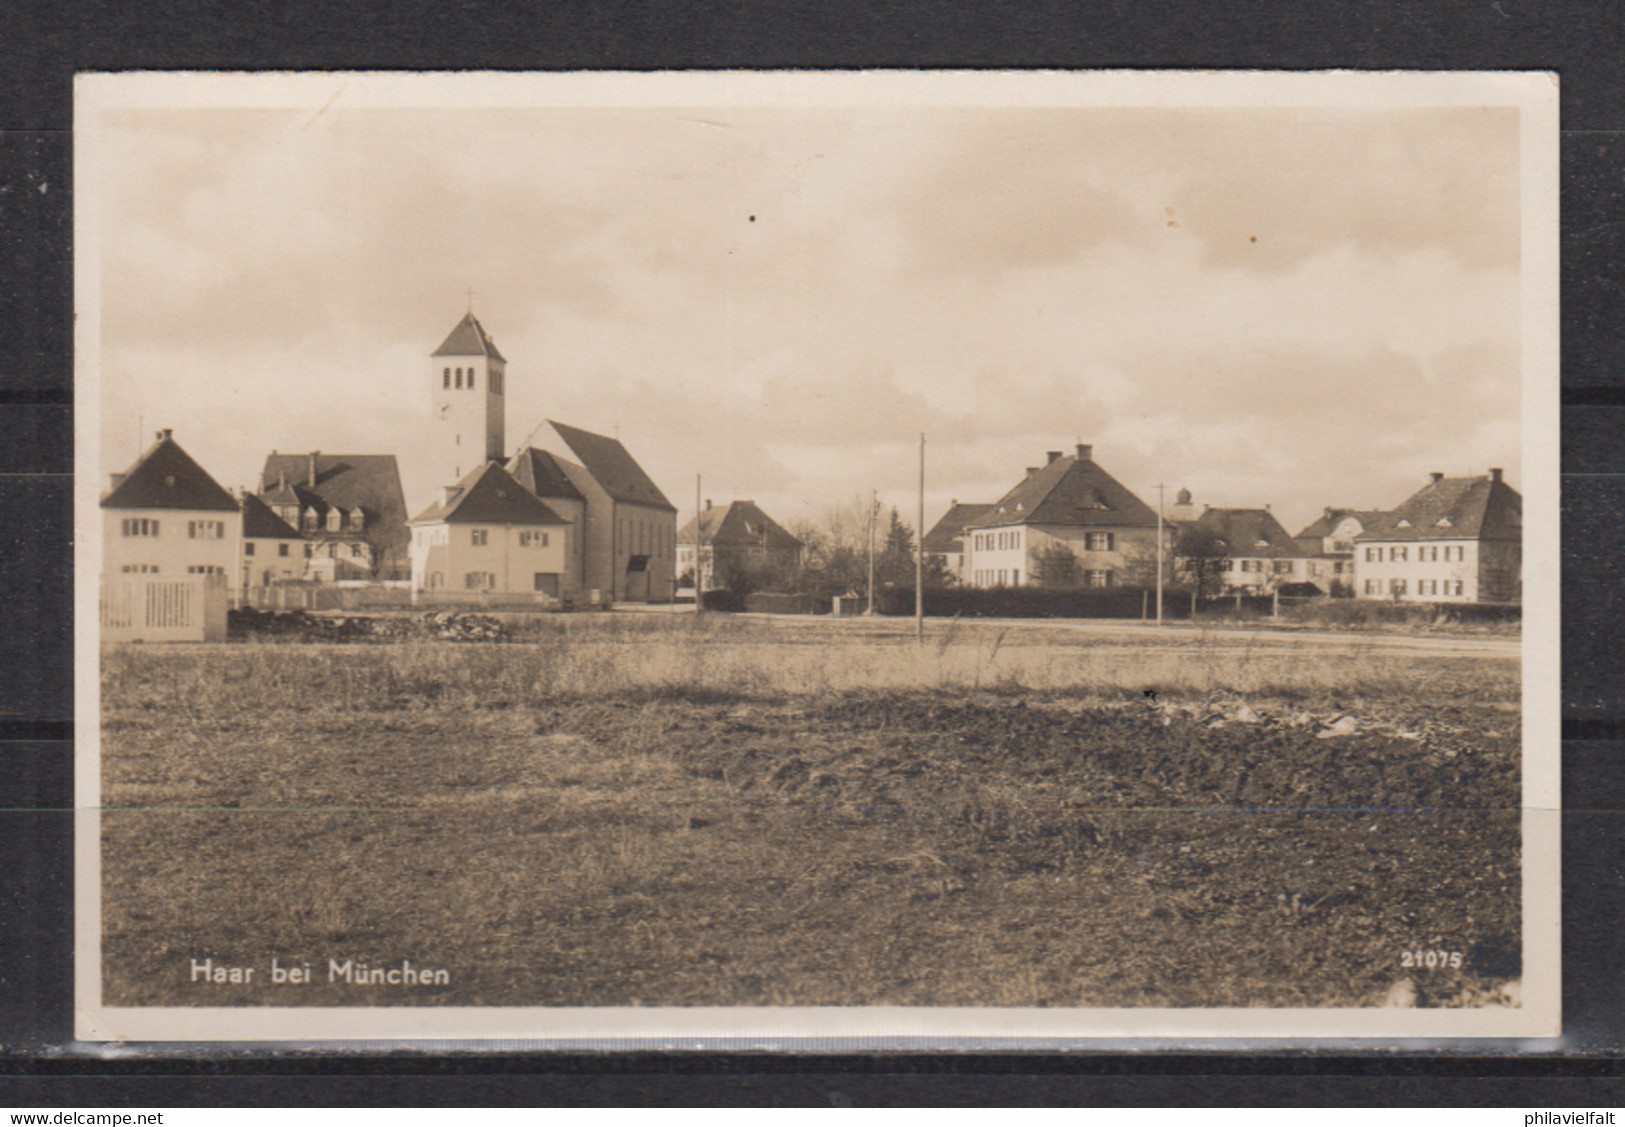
1373,587
445,378
206,529
1427,586
479,581
459,379
1396,587
205,569
335,520
140,526
1227,565
471,379
282,549
1098,541
1097,578
1455,552
248,547
1452,587
1015,576
355,551
547,582
533,539
1373,555
476,537
1283,567
310,550
1397,554
139,569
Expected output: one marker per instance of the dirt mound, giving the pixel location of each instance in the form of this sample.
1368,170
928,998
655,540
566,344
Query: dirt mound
303,626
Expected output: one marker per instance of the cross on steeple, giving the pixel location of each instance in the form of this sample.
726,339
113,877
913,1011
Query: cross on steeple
471,299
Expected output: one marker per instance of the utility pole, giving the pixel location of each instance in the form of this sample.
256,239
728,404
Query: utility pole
699,583
1159,552
919,554
874,503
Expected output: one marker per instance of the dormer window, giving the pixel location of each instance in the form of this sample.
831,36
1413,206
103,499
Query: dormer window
1442,522
1403,523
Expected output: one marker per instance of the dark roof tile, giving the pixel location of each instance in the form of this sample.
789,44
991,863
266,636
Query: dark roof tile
615,470
739,524
469,338
489,495
947,535
259,522
1453,508
1069,491
166,477
540,472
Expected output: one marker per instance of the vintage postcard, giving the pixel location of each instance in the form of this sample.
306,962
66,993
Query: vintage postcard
957,558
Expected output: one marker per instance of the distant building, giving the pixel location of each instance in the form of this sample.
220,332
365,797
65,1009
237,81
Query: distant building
1074,503
489,536
467,402
946,540
1182,511
626,530
166,516
350,507
1256,555
737,538
1329,541
1457,539
273,549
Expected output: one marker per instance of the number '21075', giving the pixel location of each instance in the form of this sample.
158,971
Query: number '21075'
1430,960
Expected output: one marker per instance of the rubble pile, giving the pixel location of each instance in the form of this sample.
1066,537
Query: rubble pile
1225,710
299,625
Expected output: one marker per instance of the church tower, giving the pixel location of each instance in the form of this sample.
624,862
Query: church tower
467,382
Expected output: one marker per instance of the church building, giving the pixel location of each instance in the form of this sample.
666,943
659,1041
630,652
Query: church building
619,531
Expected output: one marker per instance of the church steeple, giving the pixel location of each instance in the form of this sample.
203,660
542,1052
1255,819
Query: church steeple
467,386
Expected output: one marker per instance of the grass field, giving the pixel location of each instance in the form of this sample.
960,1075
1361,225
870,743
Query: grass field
653,811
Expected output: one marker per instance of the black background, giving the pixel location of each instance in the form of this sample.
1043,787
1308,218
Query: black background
42,45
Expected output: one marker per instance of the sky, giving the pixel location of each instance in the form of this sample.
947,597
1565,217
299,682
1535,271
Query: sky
1299,307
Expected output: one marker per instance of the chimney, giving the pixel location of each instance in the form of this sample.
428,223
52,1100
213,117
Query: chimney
1328,512
314,454
1436,476
1031,470
1266,506
1495,473
1050,456
1085,453
282,479
708,504
449,494
165,434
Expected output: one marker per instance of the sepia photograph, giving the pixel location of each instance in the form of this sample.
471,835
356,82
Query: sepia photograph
898,557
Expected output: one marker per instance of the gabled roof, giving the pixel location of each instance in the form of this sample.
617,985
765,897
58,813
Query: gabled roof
615,470
469,338
540,472
489,495
259,522
946,536
1069,490
1322,526
369,482
739,524
166,477
1251,534
1453,508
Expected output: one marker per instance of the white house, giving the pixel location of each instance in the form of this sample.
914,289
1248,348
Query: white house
273,550
489,537
1457,539
166,516
1071,503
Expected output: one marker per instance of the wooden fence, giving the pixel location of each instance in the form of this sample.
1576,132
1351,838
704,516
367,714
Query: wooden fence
147,608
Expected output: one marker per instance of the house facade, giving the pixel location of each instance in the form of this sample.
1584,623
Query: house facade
945,543
349,507
489,537
736,539
1069,507
1457,539
1253,553
273,549
165,516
